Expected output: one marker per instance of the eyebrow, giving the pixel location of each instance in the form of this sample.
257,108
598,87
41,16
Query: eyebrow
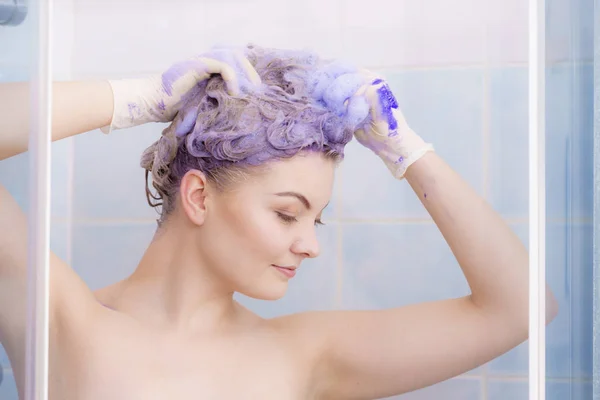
302,199
298,196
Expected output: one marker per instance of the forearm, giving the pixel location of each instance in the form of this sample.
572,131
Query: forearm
77,107
493,259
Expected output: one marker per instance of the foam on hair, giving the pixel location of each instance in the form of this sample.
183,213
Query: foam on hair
303,104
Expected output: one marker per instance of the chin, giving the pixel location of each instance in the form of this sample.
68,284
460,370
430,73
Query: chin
270,291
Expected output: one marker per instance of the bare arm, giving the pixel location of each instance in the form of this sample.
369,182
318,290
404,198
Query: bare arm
373,354
77,107
493,259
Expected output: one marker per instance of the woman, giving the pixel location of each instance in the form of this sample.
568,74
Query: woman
241,176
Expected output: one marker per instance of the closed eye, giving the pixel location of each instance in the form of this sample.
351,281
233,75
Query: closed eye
288,219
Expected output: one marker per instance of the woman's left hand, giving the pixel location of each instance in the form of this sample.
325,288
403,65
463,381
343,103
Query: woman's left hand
386,131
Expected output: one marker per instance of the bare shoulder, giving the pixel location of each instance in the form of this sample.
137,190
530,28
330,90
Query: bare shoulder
304,325
71,300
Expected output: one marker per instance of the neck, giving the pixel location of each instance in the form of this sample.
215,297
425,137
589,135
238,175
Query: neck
174,287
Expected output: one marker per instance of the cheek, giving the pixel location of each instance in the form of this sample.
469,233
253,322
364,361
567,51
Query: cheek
256,232
265,233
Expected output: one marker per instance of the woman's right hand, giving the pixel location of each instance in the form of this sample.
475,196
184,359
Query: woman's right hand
157,97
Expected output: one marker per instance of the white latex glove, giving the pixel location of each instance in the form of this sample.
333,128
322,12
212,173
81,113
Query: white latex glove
386,132
156,98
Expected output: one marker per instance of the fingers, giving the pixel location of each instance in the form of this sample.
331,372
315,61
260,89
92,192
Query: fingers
180,69
370,76
230,64
251,73
213,66
369,91
186,120
372,97
383,108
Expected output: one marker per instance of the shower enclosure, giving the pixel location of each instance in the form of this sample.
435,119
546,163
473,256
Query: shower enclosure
503,89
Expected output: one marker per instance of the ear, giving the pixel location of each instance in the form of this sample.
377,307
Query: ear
192,192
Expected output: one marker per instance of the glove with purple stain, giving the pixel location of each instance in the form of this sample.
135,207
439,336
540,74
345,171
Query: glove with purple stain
157,98
386,132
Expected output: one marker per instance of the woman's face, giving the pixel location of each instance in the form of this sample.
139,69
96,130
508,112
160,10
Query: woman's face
257,234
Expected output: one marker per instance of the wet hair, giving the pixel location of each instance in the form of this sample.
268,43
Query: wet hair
301,106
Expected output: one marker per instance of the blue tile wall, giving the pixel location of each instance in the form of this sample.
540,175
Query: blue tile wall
104,254
453,389
108,180
8,388
390,265
445,108
14,175
508,152
501,390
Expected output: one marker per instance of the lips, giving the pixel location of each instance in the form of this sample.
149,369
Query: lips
283,266
289,272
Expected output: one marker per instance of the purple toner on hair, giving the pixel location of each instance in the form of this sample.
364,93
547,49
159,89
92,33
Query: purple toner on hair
303,104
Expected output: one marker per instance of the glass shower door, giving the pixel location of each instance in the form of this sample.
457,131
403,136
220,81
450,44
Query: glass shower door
25,58
569,195
16,53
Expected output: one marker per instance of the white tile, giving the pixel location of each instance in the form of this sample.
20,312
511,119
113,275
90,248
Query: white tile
507,31
281,24
414,33
63,24
317,25
113,38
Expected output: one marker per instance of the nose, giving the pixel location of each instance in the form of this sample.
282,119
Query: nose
308,245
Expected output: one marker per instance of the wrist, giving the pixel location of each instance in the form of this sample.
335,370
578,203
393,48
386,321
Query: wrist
136,102
402,151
